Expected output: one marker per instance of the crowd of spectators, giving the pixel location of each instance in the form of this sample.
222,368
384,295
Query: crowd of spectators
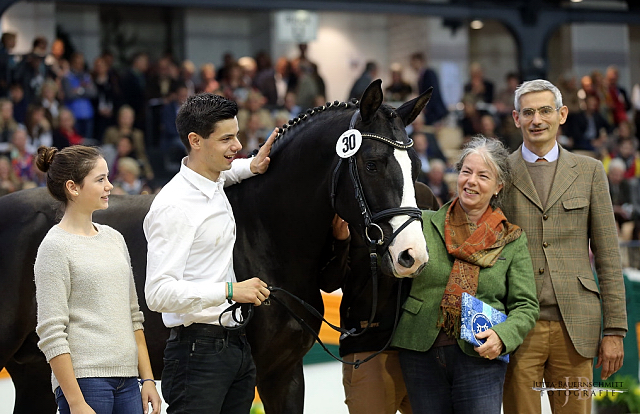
51,97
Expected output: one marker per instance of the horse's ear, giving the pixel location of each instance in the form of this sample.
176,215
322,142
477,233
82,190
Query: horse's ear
371,100
409,111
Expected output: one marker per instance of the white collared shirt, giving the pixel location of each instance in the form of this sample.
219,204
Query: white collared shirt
550,156
190,231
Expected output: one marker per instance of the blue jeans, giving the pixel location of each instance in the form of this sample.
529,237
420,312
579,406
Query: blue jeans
208,370
445,380
106,396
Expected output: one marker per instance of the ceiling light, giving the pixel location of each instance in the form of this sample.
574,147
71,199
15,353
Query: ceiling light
477,24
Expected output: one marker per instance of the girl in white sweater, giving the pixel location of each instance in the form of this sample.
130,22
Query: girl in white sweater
89,322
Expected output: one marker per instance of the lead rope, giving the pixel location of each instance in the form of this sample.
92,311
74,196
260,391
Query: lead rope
317,314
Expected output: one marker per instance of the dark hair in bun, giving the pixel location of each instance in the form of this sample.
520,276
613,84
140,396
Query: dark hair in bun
44,158
72,163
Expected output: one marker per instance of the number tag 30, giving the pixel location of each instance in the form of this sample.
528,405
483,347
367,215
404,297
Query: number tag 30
348,143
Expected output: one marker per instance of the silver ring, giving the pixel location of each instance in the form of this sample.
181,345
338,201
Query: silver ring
379,242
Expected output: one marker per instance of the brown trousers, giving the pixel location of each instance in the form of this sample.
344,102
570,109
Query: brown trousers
377,386
547,353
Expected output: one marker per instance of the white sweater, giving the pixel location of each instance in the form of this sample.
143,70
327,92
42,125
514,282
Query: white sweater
87,302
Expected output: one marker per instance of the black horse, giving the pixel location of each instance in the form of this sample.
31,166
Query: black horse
283,221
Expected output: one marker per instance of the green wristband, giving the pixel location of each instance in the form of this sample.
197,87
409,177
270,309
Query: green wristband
229,290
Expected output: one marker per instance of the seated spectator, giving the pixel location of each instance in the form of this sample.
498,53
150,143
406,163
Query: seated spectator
265,80
471,120
587,124
620,191
478,88
8,125
504,104
38,128
488,126
626,150
56,61
133,88
233,85
123,149
282,77
254,104
435,181
7,61
291,104
108,97
125,127
20,103
420,144
208,82
49,100
128,178
252,135
21,158
66,134
162,79
187,73
172,147
9,182
79,90
399,90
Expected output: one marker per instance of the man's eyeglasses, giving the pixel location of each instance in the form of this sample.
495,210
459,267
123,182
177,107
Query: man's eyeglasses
545,112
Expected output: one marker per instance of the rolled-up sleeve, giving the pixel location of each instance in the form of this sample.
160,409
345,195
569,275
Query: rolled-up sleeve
240,170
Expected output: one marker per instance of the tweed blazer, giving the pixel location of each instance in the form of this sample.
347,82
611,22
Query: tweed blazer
578,214
507,286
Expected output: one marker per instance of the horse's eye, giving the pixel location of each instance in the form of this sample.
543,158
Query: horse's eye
371,166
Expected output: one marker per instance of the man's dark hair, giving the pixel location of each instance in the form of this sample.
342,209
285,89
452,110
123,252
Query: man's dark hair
200,114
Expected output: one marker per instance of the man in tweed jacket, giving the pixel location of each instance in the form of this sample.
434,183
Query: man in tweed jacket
562,202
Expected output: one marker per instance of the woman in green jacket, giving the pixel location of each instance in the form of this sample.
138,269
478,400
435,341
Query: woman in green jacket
473,249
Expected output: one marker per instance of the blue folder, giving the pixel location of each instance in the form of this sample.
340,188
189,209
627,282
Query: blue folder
476,317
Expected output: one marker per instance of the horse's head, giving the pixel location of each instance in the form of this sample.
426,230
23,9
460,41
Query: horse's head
386,168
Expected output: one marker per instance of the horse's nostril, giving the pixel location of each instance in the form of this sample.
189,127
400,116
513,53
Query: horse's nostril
405,259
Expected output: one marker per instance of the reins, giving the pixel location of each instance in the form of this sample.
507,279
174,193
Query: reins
344,332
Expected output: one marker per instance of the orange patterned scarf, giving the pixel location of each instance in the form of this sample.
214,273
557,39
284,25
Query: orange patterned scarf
471,250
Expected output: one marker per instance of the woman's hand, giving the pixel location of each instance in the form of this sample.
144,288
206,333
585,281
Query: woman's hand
150,395
492,348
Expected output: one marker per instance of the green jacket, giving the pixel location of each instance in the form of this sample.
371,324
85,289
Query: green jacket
508,286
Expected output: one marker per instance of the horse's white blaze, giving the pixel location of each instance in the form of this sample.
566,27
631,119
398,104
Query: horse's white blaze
410,238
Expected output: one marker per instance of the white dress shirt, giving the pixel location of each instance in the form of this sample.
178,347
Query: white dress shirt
190,231
550,156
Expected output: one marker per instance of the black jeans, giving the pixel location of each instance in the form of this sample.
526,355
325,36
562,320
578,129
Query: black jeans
208,370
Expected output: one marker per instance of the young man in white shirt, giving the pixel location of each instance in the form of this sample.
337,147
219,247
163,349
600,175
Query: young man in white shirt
190,230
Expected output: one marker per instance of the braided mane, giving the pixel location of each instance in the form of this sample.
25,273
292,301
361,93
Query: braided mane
354,103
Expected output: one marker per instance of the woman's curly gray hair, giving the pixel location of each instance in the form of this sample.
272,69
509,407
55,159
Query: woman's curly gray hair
495,154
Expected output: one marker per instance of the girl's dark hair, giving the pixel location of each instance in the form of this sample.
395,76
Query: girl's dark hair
72,163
